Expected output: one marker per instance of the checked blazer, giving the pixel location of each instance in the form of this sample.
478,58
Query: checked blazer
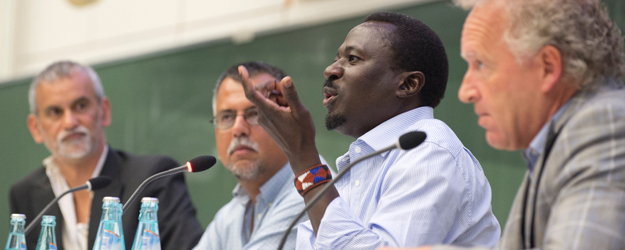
575,197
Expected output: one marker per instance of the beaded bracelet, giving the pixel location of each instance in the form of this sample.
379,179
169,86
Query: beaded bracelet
311,178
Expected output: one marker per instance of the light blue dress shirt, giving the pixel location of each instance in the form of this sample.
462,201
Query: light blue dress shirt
435,193
537,145
276,207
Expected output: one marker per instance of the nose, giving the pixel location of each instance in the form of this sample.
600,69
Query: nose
333,71
468,92
240,127
70,121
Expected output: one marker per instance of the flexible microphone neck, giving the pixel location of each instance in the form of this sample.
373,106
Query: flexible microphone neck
406,141
90,185
147,181
197,164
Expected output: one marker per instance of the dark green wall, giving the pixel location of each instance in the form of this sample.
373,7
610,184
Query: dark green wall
162,105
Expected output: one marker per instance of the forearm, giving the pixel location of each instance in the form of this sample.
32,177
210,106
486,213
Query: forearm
300,164
316,212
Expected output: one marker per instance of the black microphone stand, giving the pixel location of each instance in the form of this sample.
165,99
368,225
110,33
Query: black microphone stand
45,209
152,178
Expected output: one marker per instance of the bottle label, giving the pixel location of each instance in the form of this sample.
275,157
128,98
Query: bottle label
150,241
52,246
110,241
23,246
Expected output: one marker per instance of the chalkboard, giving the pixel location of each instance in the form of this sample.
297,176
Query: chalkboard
161,104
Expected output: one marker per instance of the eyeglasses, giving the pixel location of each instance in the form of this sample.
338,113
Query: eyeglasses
225,119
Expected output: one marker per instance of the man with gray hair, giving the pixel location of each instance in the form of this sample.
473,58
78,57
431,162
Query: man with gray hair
68,114
264,201
546,77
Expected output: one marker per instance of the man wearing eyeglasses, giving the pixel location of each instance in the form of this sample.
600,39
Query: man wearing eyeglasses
264,201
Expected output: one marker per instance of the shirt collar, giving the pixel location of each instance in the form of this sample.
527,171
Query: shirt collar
52,168
269,190
74,234
537,145
389,131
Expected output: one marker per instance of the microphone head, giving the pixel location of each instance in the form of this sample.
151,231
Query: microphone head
98,182
411,140
201,163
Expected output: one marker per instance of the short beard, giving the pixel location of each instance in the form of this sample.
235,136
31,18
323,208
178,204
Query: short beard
334,121
73,149
77,149
246,172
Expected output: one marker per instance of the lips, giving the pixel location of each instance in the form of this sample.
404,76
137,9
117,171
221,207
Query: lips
483,119
74,136
329,94
241,149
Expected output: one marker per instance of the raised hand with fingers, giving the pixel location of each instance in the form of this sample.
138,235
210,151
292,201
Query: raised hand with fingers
284,117
289,123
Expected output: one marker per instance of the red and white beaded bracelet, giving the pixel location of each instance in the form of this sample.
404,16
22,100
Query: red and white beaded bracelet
312,177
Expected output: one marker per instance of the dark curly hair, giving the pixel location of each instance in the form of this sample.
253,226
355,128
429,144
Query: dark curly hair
417,48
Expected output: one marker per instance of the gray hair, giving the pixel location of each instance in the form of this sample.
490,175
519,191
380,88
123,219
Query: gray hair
591,44
60,70
254,68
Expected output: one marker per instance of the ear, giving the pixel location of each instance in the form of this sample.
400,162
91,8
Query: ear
410,84
550,63
106,112
33,126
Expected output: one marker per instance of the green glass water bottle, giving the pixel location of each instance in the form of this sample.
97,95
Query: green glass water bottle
47,238
17,240
147,236
110,232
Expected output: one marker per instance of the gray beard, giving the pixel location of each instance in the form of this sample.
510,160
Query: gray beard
246,172
85,147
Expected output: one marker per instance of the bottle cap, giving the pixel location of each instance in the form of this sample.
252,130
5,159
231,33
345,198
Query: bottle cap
110,199
18,216
49,220
149,199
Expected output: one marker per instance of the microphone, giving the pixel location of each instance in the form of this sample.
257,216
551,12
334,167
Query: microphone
197,164
406,141
91,185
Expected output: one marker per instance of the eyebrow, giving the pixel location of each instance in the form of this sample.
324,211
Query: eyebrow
348,49
352,48
80,99
50,108
234,111
467,55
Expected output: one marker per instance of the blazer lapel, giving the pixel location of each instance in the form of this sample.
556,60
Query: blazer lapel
111,169
44,193
532,234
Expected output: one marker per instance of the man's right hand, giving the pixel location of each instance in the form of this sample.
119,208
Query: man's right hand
285,118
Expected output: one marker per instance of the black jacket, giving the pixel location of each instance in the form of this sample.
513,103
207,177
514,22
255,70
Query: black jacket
178,226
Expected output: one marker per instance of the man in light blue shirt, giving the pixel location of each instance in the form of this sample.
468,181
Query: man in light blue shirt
265,201
387,77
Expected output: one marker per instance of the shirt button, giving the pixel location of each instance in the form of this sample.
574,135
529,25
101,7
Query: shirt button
260,215
357,183
357,149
